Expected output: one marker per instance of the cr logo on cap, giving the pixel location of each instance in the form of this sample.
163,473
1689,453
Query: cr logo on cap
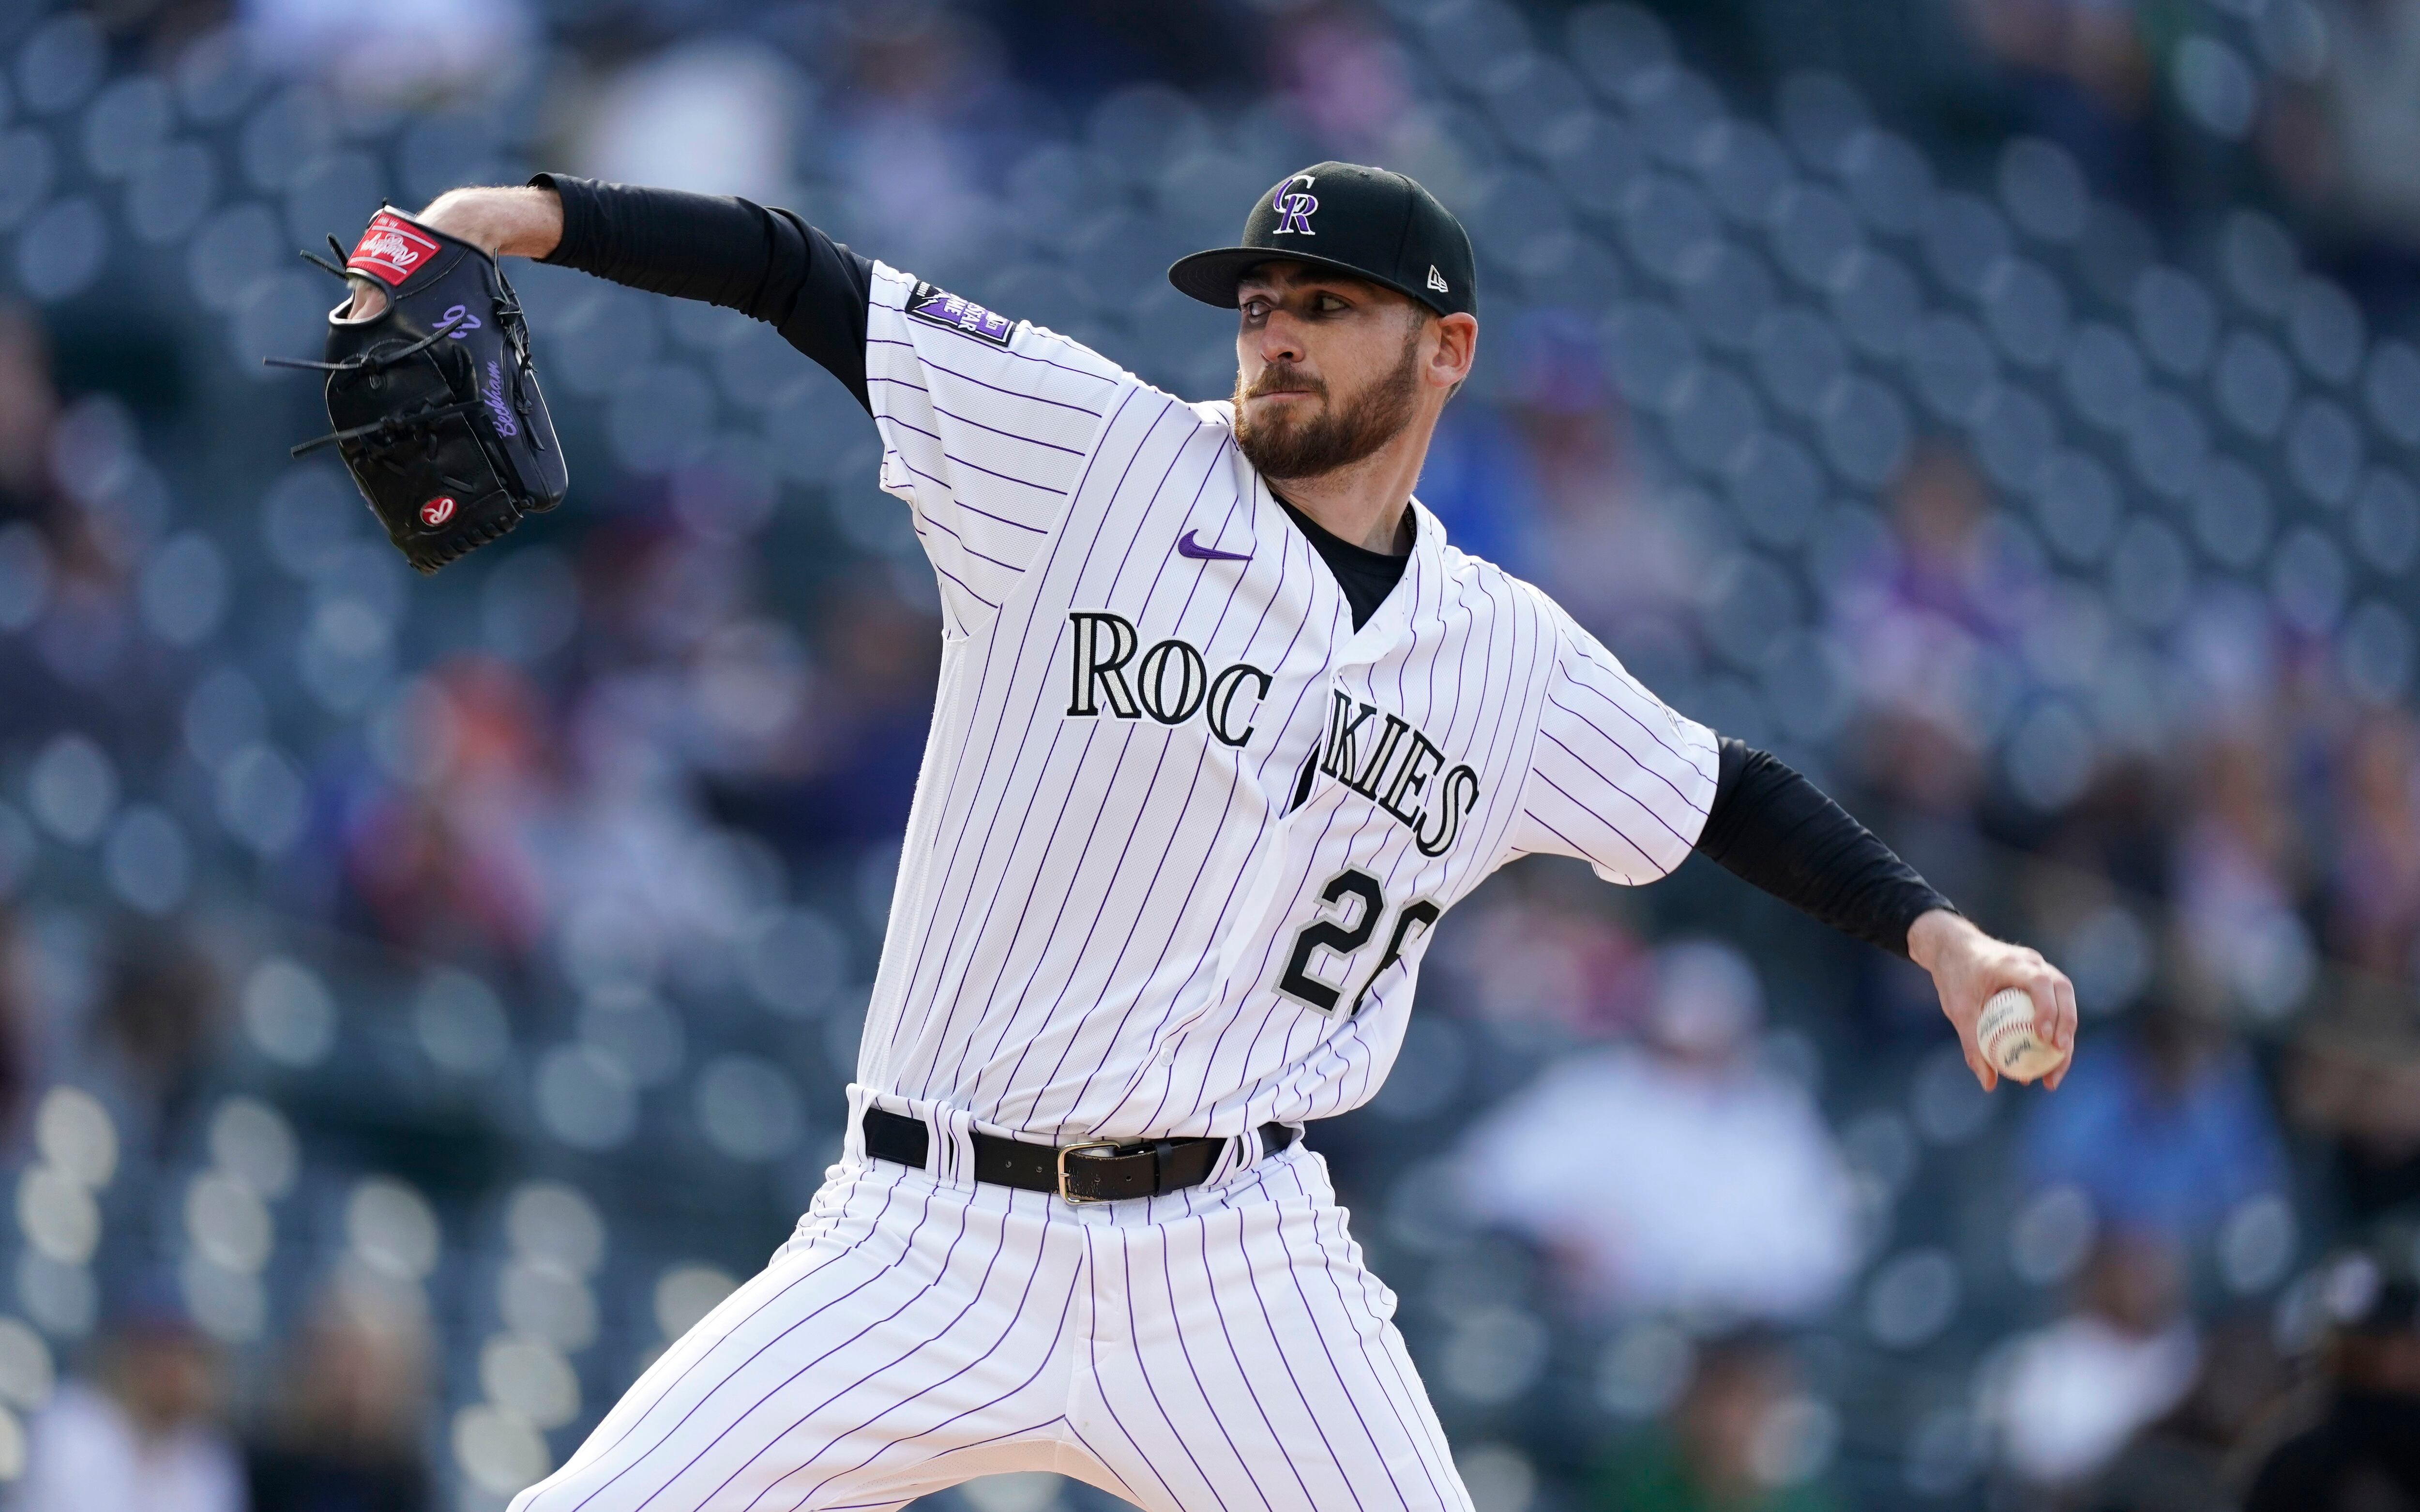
437,510
1294,207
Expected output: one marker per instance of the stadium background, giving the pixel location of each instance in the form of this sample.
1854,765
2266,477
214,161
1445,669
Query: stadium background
424,997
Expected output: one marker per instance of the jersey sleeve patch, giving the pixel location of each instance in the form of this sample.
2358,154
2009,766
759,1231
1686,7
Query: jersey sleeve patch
939,306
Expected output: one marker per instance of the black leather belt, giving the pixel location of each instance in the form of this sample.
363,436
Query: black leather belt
1100,1170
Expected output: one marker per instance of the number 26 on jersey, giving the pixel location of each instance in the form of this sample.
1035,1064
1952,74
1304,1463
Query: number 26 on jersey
1352,905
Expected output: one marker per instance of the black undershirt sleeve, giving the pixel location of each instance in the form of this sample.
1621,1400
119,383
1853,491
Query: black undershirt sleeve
1770,826
766,263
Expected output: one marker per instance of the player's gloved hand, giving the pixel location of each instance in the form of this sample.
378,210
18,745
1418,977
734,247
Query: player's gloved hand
1968,966
502,223
433,393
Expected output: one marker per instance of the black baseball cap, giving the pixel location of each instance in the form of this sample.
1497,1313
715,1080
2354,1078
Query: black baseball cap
1355,219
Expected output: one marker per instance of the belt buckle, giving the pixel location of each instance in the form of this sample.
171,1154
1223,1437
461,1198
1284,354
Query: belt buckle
1066,1151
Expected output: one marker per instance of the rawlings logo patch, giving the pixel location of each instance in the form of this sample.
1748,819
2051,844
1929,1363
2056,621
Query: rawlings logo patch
939,306
390,250
437,512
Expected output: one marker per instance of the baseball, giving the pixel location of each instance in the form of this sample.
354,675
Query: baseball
2005,1034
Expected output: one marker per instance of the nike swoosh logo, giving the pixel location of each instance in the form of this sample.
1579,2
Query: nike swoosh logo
1187,546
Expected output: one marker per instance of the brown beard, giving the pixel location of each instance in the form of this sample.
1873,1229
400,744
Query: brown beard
1338,437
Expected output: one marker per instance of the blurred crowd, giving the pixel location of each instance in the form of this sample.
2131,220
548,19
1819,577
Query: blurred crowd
419,999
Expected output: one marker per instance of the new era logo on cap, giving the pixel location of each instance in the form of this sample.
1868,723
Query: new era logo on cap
1436,280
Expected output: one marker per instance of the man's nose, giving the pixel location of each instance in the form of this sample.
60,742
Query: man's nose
1281,338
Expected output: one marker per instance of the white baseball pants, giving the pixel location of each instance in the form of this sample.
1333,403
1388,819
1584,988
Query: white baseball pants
1217,1349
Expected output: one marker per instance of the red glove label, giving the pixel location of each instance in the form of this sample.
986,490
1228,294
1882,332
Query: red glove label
437,512
391,249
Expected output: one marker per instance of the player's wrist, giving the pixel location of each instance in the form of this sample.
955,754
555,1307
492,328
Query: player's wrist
504,222
1934,932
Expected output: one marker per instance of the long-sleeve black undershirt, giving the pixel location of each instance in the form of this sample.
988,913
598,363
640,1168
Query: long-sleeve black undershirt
1770,826
1767,823
765,263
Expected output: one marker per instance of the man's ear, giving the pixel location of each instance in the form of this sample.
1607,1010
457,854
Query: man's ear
1457,349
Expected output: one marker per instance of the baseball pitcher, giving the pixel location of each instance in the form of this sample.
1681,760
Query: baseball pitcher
1225,725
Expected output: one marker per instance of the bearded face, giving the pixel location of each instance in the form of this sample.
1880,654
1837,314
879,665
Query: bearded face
1314,430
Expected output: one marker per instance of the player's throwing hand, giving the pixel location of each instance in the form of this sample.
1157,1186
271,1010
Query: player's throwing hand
1968,966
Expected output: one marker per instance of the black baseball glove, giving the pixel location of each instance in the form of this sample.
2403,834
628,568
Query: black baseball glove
434,398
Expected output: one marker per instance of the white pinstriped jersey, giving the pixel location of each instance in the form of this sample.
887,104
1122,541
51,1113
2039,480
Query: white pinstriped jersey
1181,831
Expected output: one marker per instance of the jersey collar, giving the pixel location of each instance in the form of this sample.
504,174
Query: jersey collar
1421,574
1391,622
